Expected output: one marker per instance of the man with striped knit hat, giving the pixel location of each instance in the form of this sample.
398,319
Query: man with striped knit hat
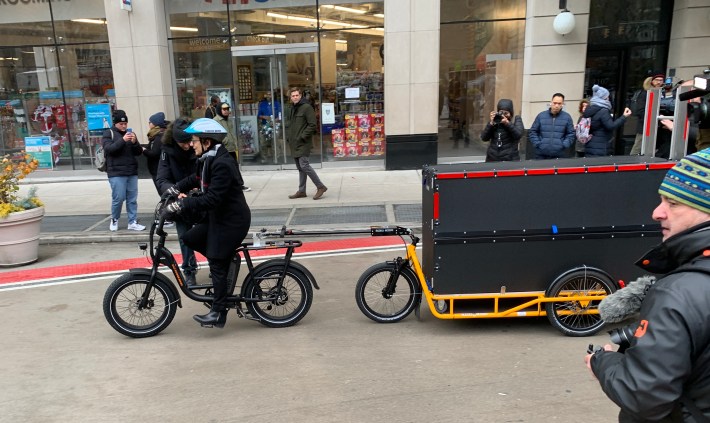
664,376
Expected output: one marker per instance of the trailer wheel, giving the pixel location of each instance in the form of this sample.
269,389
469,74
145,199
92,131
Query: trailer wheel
573,318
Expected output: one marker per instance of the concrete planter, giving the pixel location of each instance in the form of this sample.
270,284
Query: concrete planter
19,237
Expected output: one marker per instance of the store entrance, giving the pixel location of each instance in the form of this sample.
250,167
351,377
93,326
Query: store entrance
264,74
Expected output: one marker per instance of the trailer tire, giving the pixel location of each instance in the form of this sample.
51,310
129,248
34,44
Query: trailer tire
572,318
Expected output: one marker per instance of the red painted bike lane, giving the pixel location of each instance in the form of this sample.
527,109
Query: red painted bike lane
110,266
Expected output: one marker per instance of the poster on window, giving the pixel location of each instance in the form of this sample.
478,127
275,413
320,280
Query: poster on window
41,149
224,94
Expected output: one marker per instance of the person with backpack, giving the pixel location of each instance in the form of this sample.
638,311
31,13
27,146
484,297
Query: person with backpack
664,375
580,130
156,128
601,125
121,148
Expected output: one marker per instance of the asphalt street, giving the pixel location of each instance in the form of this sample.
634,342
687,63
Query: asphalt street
63,362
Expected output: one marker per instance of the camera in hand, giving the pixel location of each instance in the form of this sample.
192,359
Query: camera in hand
622,336
498,117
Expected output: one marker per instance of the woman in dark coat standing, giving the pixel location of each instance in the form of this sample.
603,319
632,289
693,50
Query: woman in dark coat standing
504,132
156,129
602,126
228,215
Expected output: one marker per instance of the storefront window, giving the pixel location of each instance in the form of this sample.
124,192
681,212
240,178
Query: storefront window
635,21
480,63
47,77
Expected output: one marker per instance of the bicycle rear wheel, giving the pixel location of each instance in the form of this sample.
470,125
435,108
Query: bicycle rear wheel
278,307
380,305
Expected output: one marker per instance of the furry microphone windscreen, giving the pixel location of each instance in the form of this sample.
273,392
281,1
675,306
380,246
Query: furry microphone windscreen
625,302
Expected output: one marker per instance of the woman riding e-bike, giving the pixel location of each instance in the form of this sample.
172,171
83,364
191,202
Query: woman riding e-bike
220,196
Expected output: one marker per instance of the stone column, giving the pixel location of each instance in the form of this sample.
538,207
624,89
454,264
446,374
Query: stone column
690,38
552,62
411,82
140,62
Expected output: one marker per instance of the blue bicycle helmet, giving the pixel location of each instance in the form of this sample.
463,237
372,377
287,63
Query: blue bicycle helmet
207,128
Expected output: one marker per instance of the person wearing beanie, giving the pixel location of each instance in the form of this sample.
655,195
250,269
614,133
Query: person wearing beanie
664,376
638,107
504,131
178,161
121,148
602,125
156,128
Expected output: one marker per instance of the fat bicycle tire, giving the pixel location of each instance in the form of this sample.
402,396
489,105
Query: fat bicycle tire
573,318
278,308
121,306
380,306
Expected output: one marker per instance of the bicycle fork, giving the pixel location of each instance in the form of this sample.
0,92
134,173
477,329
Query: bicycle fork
388,291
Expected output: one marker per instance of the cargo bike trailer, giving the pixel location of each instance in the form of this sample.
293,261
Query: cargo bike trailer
525,239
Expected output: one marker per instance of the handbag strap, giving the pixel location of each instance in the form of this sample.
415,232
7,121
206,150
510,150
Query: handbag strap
694,410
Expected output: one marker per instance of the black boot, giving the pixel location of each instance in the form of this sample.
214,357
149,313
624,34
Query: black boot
213,318
190,278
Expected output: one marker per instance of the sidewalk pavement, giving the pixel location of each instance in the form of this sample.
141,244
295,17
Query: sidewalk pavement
77,203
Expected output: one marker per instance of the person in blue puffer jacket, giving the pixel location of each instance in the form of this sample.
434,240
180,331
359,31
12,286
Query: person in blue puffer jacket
602,125
552,132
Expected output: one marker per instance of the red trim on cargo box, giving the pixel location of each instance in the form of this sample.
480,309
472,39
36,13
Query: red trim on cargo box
451,176
514,172
601,169
568,170
633,167
481,174
436,206
532,172
668,165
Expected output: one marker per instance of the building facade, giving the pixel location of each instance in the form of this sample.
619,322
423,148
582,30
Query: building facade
395,83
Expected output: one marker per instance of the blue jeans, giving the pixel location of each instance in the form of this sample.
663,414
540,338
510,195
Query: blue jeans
124,188
189,262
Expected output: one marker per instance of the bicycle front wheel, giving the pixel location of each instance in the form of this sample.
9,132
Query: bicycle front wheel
278,306
385,305
122,310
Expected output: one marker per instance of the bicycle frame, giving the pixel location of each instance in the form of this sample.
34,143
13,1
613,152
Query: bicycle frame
163,256
490,305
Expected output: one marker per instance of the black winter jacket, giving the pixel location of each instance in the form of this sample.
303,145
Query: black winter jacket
670,351
152,152
552,135
120,155
602,129
175,165
504,138
222,198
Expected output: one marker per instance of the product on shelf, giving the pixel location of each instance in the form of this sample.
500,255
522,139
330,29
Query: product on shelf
365,139
350,121
363,120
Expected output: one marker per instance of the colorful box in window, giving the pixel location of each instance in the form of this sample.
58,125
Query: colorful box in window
337,135
378,133
377,147
363,121
378,119
350,121
352,148
351,135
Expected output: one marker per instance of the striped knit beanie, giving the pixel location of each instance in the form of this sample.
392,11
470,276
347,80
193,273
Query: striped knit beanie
688,182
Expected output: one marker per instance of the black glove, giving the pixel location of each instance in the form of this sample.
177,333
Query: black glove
170,192
171,209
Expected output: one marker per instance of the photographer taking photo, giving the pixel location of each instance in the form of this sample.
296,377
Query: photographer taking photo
664,374
504,131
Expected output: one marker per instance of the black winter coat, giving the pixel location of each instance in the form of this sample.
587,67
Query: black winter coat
120,155
504,140
670,352
300,127
175,165
152,152
602,129
222,198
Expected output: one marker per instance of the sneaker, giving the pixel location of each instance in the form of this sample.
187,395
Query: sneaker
168,224
113,226
298,194
245,188
320,192
135,226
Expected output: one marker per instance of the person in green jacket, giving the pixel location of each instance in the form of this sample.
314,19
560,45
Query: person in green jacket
300,127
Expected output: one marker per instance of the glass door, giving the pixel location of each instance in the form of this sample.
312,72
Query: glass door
264,75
